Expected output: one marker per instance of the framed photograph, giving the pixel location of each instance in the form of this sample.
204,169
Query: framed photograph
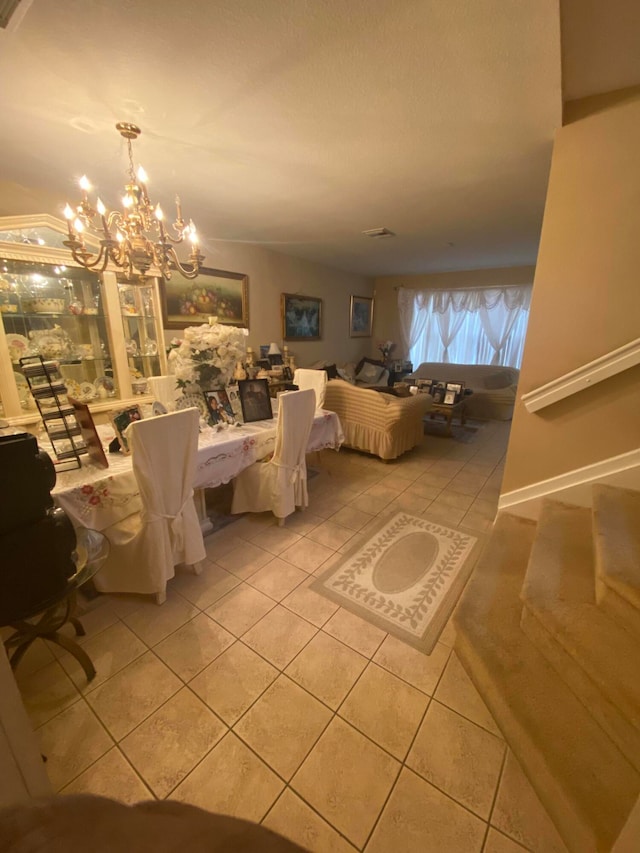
121,421
287,375
219,406
255,400
361,317
438,390
424,385
301,317
449,398
455,388
275,358
234,401
264,350
213,293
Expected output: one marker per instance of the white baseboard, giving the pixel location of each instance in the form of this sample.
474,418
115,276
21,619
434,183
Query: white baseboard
574,486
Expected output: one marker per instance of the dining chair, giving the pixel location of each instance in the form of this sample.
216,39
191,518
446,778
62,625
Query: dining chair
147,545
316,379
279,484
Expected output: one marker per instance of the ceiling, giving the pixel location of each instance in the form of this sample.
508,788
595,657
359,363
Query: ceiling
297,124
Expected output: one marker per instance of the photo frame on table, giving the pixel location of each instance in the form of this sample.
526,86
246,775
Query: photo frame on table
234,400
275,358
424,385
219,407
301,317
89,434
287,374
121,420
264,350
255,400
361,317
213,293
438,390
454,392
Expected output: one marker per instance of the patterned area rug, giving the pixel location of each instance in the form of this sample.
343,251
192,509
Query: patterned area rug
406,578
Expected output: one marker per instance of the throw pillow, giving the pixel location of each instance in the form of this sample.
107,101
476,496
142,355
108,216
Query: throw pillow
369,374
344,374
331,371
497,380
367,360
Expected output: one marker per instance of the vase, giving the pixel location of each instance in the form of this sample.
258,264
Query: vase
239,373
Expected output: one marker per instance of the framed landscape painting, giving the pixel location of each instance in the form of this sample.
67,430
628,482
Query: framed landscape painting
213,293
361,317
301,317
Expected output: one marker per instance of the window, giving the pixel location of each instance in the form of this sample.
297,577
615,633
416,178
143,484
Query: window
485,326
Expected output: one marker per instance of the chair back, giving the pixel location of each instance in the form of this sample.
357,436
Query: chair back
164,456
315,379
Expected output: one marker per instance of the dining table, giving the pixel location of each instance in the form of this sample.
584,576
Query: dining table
98,497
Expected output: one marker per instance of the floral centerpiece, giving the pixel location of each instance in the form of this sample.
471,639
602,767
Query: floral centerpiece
207,355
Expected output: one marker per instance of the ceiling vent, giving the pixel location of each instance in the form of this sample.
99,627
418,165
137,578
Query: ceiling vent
7,11
377,233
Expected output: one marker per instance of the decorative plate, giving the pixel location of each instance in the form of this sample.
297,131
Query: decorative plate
87,392
158,408
18,346
188,401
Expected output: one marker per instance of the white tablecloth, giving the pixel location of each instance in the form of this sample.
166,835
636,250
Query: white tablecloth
98,497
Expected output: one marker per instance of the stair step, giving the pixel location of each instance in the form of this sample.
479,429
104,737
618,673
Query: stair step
582,779
597,658
616,521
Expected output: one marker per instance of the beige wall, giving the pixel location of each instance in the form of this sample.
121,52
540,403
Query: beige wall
386,324
586,298
271,274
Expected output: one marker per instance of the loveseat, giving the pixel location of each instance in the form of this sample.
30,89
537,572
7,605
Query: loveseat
494,386
375,421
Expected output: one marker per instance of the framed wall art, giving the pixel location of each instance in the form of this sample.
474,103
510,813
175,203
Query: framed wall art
361,317
213,293
301,317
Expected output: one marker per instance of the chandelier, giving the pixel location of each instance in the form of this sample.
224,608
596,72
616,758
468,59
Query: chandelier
136,239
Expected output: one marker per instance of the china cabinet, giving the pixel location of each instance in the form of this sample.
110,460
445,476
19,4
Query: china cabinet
105,334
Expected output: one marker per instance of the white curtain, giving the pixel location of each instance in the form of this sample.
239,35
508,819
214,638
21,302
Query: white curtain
486,326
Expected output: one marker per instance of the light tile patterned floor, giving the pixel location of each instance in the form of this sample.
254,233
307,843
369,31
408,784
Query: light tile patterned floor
248,694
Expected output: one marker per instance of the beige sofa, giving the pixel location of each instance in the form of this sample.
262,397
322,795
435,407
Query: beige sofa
494,387
375,421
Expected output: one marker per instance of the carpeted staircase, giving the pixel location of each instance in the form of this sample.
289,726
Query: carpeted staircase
548,628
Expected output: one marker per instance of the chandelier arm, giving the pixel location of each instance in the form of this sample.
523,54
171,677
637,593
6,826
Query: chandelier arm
192,273
81,256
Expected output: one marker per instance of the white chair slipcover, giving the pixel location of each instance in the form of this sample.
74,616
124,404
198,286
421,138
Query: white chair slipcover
147,545
316,379
280,484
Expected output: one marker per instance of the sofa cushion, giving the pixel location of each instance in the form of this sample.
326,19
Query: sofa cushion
346,375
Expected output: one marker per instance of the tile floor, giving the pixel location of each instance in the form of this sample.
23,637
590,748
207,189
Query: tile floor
247,693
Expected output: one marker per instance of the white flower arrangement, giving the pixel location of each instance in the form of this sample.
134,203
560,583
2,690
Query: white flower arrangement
207,355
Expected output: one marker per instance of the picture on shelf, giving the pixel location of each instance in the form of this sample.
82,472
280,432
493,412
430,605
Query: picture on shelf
361,317
287,375
219,406
264,350
275,358
301,317
424,385
449,398
121,420
255,400
455,388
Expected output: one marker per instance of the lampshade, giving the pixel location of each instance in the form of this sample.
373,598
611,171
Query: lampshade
274,349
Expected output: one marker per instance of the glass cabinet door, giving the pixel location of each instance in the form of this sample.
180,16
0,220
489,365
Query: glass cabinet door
138,309
57,312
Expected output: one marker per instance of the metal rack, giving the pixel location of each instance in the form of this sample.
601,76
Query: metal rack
58,416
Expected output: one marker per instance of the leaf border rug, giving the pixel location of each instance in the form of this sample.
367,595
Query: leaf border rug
416,609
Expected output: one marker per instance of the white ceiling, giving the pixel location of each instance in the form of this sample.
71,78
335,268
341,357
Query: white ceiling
297,124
